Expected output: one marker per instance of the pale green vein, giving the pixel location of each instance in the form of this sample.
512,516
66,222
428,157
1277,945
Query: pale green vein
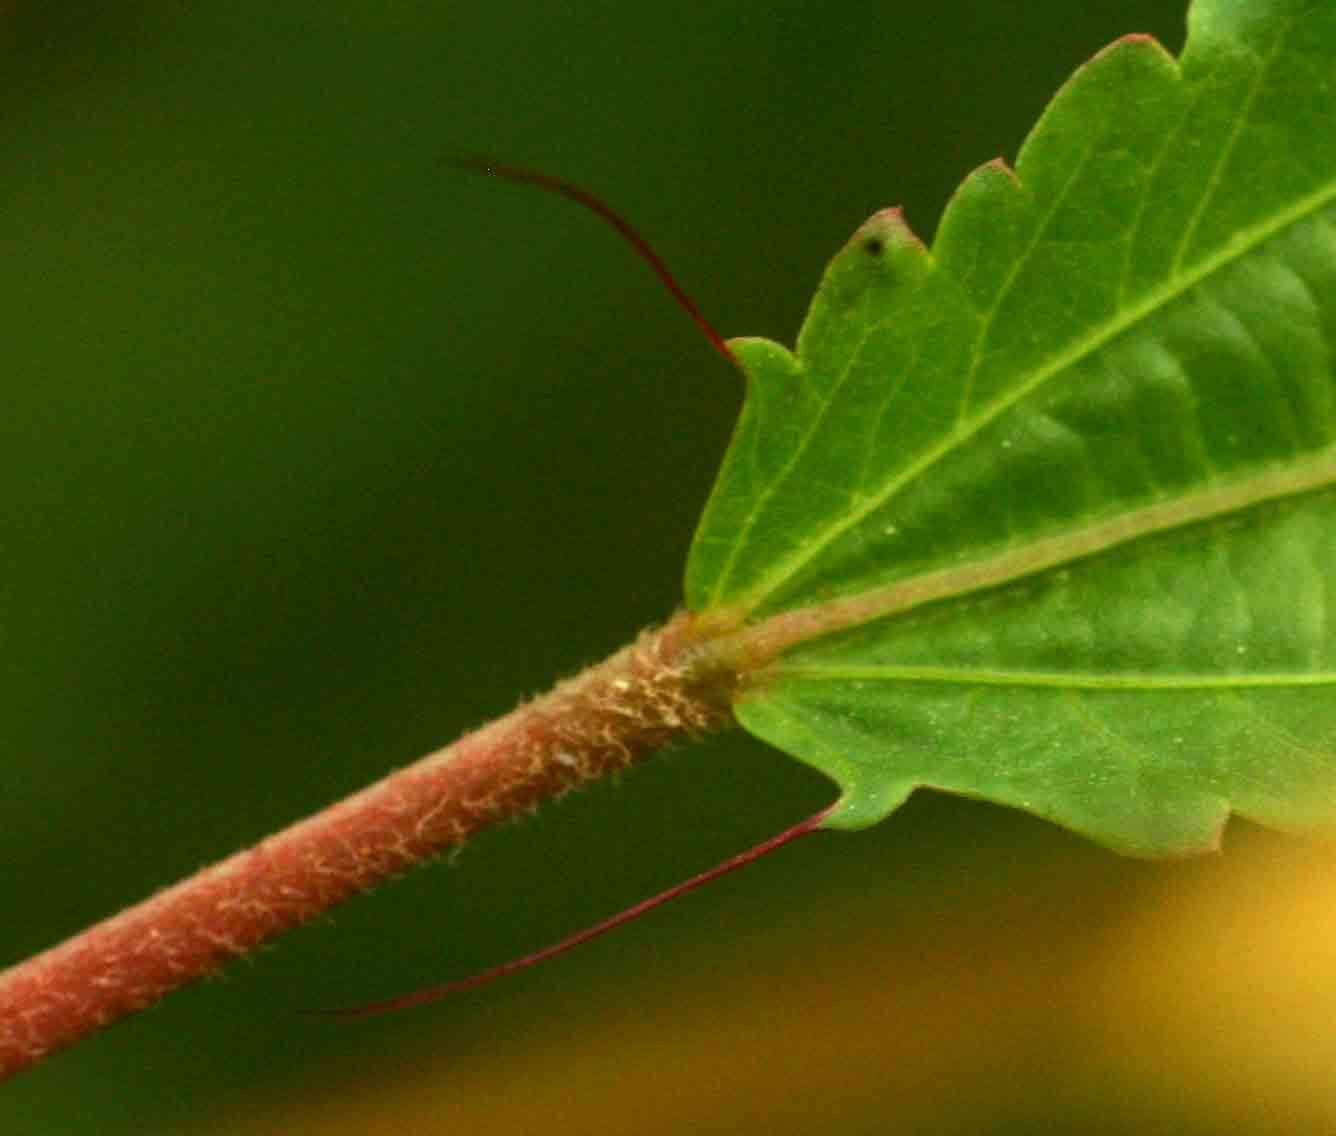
1013,274
1054,680
768,638
1279,734
1227,151
1080,710
825,399
1152,172
1242,243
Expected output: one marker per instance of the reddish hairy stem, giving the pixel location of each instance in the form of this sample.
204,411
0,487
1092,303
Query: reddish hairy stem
613,714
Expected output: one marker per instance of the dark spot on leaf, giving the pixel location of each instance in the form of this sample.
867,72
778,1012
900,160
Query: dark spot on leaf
874,246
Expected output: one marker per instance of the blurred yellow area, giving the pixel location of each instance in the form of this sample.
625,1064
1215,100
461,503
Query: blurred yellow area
1221,997
1208,1005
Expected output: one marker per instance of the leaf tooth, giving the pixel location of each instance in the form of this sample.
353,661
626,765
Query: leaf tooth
1138,41
887,231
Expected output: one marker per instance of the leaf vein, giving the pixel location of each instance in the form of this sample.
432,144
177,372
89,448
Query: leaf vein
1214,182
987,317
1244,242
1056,680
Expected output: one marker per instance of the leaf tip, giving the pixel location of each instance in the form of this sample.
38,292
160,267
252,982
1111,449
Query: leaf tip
887,231
758,356
1000,165
1142,42
883,253
1142,39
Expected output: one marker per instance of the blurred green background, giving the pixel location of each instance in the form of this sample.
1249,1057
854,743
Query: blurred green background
317,453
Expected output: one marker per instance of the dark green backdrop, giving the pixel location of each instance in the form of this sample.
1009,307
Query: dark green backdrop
316,453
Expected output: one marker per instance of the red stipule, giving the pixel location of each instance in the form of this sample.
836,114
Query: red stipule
436,993
602,209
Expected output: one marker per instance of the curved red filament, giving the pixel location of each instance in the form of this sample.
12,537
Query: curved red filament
602,209
436,993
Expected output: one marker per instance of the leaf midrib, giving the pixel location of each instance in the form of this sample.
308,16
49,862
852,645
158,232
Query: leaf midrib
1057,680
1243,242
759,644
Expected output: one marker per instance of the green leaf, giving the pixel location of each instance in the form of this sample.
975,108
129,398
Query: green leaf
1047,515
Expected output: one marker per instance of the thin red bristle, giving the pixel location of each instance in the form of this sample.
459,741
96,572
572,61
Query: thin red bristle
602,209
435,993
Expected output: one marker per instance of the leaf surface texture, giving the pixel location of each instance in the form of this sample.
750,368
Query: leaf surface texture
1054,502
